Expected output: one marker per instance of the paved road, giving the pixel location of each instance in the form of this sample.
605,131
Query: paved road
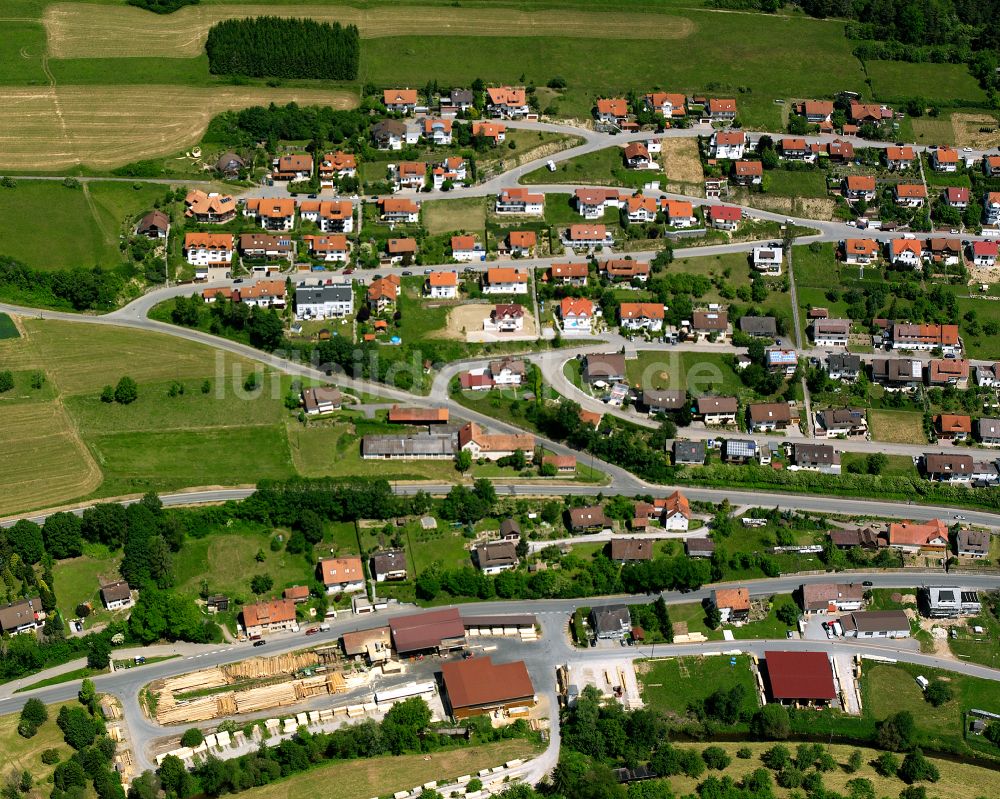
541,657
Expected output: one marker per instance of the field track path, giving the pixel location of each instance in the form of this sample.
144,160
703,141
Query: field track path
56,105
108,235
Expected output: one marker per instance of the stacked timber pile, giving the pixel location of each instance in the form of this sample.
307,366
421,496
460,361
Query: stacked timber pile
265,697
195,681
169,711
262,668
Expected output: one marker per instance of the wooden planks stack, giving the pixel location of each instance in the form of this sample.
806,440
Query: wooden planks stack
335,683
195,681
266,697
258,668
311,686
201,709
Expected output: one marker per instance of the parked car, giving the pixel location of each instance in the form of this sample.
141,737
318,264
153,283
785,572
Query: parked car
259,642
312,631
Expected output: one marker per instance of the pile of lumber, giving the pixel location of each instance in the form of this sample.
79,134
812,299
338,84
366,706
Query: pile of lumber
200,709
262,668
195,681
266,697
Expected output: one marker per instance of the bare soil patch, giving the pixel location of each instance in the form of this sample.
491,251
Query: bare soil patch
968,134
682,164
465,323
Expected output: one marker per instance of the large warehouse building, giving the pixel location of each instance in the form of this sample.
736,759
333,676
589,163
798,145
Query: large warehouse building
477,685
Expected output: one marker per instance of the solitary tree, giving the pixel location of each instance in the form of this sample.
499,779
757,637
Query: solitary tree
126,392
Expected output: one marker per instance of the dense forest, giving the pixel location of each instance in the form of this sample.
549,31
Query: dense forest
290,122
271,47
82,289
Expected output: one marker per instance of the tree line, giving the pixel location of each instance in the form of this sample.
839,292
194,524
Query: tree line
274,47
161,6
290,122
79,288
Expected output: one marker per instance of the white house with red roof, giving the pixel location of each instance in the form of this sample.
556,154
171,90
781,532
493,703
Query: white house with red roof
900,157
612,110
636,156
408,174
729,144
586,236
984,253
569,274
907,252
466,248
725,217
453,169
592,203
991,207
442,285
436,131
723,110
945,159
666,103
508,102
956,197
508,318
577,315
860,252
336,165
637,316
910,195
400,101
639,209
519,200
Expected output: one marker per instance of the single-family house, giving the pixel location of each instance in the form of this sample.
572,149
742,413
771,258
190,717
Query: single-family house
336,165
520,201
705,324
590,519
457,101
860,113
988,376
493,557
782,360
973,543
794,148
689,453
984,253
271,213
906,252
815,458
508,371
467,248
733,604
767,260
329,248
441,285
265,246
631,550
297,166
722,110
388,565
321,399
400,101
748,173
612,111
496,132
209,208
948,372
273,615
604,367
116,595
739,450
388,134
209,249
897,374
725,217
505,318
401,250
699,547
860,251
946,251
953,427
625,269
666,103
843,366
759,326
859,187
508,102
436,131
991,166
820,599
452,170
587,237
945,159
230,164
577,315
988,432
505,280
715,411
636,316
592,203
831,332
569,274
399,209
611,622
991,207
662,400
956,197
383,293
341,575
910,195
729,144
408,174
766,416
564,464
843,422
816,111
897,158
154,225
914,537
948,467
875,624
680,213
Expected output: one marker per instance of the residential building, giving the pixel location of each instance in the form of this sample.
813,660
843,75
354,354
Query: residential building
508,371
592,203
946,251
323,301
341,575
587,236
321,399
733,604
831,332
898,374
735,450
767,260
839,151
465,249
577,315
859,187
843,366
820,599
569,274
795,149
441,285
388,134
420,446
988,432
230,165
520,201
116,596
636,156
748,173
729,144
408,174
661,400
505,280
953,427
988,376
209,249
297,593
759,326
564,464
505,318
508,102
589,520
477,686
269,616
392,209
676,512
925,337
266,246
612,622
401,250
867,538
766,416
723,110
389,565
945,159
860,252
331,216
211,208
725,217
715,411
875,624
400,101
613,111
956,197
277,213
334,166
843,422
494,557
816,111
710,323
689,453
950,602
910,195
625,269
991,166
991,207
948,372
914,537
452,169
642,210
436,131
680,213
784,361
458,100
495,131
815,458
492,447
948,467
897,158
329,248
906,252
665,103
607,367
383,293
973,543
868,112
984,253
292,167
631,550
636,316
154,225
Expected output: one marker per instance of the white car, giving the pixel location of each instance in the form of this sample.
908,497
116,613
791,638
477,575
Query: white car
551,165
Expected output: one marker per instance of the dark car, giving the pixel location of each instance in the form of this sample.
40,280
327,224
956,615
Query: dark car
312,631
261,642
312,196
868,583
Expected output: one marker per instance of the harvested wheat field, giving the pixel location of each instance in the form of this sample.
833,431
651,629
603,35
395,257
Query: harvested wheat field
976,130
78,30
681,162
106,126
44,461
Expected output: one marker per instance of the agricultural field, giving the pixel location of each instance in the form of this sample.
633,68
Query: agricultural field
80,225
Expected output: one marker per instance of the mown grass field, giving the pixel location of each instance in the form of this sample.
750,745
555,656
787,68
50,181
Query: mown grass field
671,685
897,427
445,216
7,327
79,579
601,168
19,754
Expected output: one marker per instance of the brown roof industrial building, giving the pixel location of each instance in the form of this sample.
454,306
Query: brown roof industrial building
438,630
477,685
800,677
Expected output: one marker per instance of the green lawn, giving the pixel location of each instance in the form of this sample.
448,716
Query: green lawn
898,464
21,50
939,81
79,580
600,168
19,754
795,183
698,372
897,427
445,216
670,685
227,561
75,232
981,345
